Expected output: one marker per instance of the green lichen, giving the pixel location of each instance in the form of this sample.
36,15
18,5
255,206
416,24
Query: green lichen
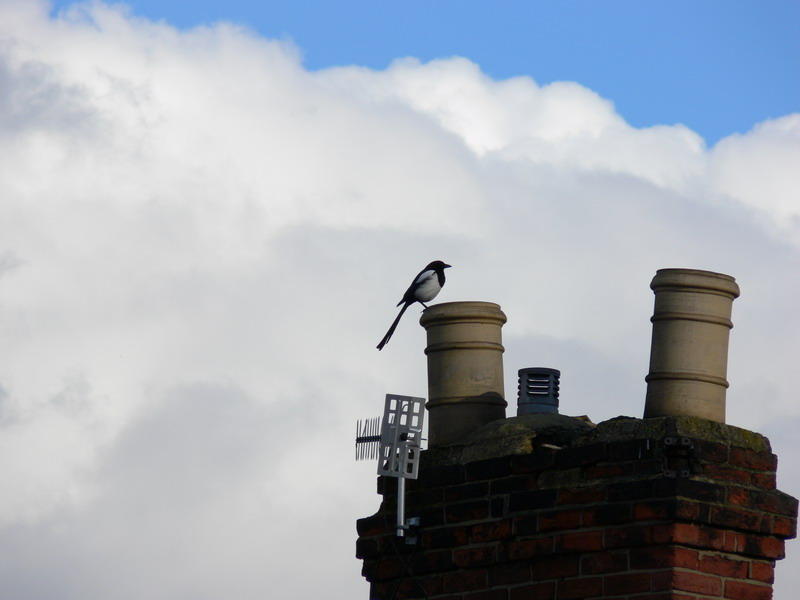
506,437
520,435
627,428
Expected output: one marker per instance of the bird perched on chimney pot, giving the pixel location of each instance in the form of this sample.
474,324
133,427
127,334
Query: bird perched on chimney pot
423,289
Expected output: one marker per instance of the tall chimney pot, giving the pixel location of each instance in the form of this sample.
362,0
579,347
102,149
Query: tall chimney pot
689,351
465,368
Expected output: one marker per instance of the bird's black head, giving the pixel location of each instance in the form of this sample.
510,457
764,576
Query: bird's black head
437,265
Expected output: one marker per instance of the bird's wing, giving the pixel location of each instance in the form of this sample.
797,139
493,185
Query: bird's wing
424,278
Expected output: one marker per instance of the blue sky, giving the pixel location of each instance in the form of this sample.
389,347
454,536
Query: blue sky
717,67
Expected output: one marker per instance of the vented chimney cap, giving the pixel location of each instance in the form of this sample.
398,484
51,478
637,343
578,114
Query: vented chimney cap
538,391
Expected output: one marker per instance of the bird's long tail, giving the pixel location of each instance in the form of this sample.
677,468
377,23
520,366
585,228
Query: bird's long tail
393,327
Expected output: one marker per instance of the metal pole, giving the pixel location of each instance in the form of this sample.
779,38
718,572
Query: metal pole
401,506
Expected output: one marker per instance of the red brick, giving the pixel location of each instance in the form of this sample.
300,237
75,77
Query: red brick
711,451
512,484
657,596
585,541
661,557
582,495
631,490
527,525
607,514
667,596
410,588
662,510
741,590
628,583
726,473
580,589
466,491
698,583
431,562
559,519
764,481
687,533
724,566
533,463
761,461
425,497
612,470
625,537
465,581
390,567
689,511
506,573
430,585
690,534
765,526
537,591
738,496
467,511
576,456
685,558
774,501
489,468
784,526
528,500
735,518
477,556
528,549
762,571
653,510
488,595
657,557
764,546
661,580
492,531
596,564
693,489
445,536
554,567
760,546
734,541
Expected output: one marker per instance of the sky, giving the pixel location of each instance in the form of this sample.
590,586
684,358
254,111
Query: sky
208,212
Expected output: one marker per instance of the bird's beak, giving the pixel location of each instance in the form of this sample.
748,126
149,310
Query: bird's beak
447,266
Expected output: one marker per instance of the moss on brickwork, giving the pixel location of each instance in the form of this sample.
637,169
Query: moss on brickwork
507,437
628,428
523,435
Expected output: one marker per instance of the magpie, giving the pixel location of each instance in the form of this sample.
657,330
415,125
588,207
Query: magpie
423,289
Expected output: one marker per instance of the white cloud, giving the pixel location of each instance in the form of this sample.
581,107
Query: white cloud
759,169
201,243
563,124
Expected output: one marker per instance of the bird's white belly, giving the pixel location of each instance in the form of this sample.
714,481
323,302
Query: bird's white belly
428,289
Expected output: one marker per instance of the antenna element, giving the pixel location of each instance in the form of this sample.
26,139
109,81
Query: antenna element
397,446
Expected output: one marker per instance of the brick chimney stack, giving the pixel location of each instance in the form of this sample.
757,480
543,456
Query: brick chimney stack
549,507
